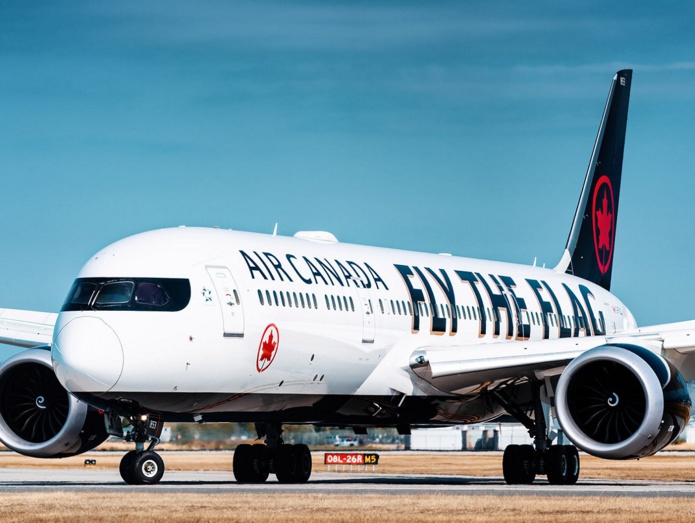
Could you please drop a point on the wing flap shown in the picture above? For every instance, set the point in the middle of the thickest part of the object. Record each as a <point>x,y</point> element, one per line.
<point>463,369</point>
<point>26,328</point>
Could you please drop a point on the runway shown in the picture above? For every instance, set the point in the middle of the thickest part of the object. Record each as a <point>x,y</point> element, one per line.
<point>109,481</point>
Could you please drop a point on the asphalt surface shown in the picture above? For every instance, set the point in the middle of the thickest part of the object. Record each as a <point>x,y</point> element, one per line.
<point>109,481</point>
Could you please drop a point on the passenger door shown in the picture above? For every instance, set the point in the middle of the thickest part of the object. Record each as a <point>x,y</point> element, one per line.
<point>229,301</point>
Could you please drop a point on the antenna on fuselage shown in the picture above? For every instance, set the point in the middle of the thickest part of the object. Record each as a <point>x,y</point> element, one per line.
<point>275,230</point>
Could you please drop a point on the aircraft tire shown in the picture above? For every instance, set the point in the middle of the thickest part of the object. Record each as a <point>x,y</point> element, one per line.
<point>126,468</point>
<point>259,464</point>
<point>302,471</point>
<point>562,465</point>
<point>519,464</point>
<point>285,464</point>
<point>242,463</point>
<point>147,468</point>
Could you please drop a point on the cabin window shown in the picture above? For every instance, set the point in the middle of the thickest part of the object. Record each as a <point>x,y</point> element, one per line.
<point>313,297</point>
<point>328,304</point>
<point>398,307</point>
<point>236,297</point>
<point>345,302</point>
<point>296,302</point>
<point>275,298</point>
<point>410,309</point>
<point>352,304</point>
<point>340,304</point>
<point>260,296</point>
<point>267,295</point>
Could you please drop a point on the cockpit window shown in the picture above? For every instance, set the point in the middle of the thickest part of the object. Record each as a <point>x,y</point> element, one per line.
<point>132,294</point>
<point>115,293</point>
<point>82,292</point>
<point>152,294</point>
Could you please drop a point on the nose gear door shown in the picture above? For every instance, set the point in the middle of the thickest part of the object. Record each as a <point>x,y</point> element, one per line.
<point>229,301</point>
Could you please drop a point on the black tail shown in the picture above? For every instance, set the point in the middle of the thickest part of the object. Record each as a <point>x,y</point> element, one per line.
<point>589,250</point>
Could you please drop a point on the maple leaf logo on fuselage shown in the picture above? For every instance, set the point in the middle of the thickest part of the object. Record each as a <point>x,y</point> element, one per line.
<point>268,348</point>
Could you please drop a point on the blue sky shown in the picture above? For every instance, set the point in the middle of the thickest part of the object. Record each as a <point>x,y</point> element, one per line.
<point>460,127</point>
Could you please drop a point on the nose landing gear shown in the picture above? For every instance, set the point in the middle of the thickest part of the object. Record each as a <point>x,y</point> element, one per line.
<point>143,466</point>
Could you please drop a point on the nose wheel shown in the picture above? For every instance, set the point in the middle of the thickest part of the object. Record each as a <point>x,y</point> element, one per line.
<point>143,466</point>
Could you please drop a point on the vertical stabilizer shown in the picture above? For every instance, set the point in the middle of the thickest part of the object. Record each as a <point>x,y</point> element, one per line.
<point>589,250</point>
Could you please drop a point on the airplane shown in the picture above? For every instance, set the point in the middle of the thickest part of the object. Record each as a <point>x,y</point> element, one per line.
<point>211,325</point>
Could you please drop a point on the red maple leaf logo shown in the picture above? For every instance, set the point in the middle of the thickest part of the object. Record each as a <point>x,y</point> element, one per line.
<point>604,223</point>
<point>268,348</point>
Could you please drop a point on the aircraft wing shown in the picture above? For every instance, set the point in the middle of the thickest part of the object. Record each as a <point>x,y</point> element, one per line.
<point>459,369</point>
<point>26,328</point>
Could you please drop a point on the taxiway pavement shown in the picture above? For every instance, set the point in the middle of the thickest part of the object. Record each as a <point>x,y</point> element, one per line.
<point>109,481</point>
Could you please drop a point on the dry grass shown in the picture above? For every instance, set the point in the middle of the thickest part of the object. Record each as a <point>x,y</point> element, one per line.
<point>314,508</point>
<point>672,467</point>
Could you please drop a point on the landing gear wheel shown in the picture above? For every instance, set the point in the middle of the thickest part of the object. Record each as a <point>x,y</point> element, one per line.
<point>242,463</point>
<point>562,465</point>
<point>147,468</point>
<point>303,470</point>
<point>285,464</point>
<point>260,464</point>
<point>293,464</point>
<point>519,464</point>
<point>126,467</point>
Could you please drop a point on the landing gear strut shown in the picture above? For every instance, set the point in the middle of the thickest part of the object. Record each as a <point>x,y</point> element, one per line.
<point>143,466</point>
<point>521,463</point>
<point>289,463</point>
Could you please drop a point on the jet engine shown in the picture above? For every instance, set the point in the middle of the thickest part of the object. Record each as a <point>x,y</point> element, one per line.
<point>38,417</point>
<point>621,401</point>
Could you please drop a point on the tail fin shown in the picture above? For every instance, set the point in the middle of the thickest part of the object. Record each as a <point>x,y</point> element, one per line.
<point>589,250</point>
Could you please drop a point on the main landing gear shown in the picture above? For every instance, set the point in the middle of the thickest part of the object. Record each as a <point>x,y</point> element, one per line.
<point>521,463</point>
<point>289,463</point>
<point>143,466</point>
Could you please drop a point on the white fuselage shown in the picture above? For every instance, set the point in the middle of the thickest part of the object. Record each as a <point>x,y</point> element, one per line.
<point>344,320</point>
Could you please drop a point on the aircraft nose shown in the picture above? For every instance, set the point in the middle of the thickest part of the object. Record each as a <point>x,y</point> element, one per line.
<point>87,356</point>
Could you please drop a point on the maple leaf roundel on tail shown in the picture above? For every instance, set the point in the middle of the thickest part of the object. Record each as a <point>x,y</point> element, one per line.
<point>268,348</point>
<point>603,215</point>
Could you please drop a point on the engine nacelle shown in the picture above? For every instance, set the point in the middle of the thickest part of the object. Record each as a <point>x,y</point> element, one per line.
<point>38,417</point>
<point>621,402</point>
